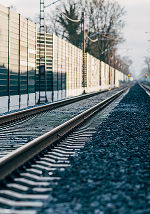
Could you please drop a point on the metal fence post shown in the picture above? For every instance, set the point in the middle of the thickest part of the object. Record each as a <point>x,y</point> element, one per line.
<point>27,63</point>
<point>114,70</point>
<point>83,40</point>
<point>8,58</point>
<point>19,64</point>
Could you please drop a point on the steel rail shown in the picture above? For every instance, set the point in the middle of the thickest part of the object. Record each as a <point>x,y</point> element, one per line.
<point>145,87</point>
<point>39,109</point>
<point>16,159</point>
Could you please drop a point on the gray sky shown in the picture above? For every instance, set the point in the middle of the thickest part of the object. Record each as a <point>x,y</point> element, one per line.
<point>137,23</point>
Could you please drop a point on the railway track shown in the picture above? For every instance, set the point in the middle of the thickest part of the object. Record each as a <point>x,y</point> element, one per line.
<point>23,114</point>
<point>146,88</point>
<point>35,165</point>
<point>15,134</point>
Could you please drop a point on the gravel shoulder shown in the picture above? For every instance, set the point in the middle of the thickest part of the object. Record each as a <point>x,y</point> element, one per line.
<point>112,173</point>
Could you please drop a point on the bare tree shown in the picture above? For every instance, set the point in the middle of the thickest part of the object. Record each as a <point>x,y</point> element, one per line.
<point>64,27</point>
<point>104,20</point>
<point>123,64</point>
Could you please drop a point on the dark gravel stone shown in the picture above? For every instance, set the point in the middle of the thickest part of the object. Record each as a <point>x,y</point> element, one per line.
<point>112,173</point>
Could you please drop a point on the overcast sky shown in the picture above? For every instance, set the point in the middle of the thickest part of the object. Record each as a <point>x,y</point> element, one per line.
<point>137,23</point>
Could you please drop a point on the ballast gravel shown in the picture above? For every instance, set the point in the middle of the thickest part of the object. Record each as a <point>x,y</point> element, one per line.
<point>112,173</point>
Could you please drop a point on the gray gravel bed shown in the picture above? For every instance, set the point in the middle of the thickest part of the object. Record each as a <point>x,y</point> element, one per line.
<point>12,137</point>
<point>112,173</point>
